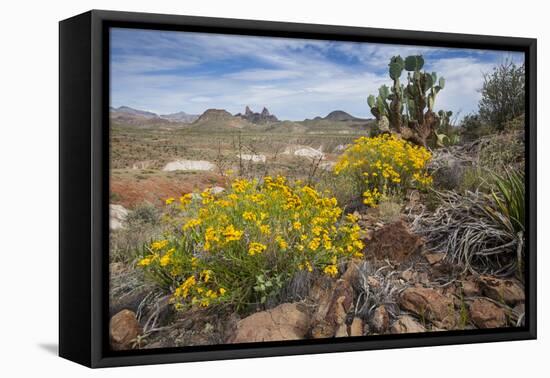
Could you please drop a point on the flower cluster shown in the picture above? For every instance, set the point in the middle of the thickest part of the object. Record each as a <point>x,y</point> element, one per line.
<point>384,165</point>
<point>255,228</point>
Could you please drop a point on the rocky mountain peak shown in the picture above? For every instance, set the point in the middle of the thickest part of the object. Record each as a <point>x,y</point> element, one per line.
<point>257,118</point>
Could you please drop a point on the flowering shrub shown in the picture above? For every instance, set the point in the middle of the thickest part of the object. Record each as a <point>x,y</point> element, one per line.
<point>385,165</point>
<point>240,246</point>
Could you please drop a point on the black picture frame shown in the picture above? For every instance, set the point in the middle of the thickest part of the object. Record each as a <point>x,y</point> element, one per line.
<point>84,187</point>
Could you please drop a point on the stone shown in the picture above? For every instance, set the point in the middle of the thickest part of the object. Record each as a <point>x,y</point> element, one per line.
<point>380,319</point>
<point>341,331</point>
<point>470,288</point>
<point>434,258</point>
<point>352,272</point>
<point>406,324</point>
<point>508,291</point>
<point>486,314</point>
<point>407,275</point>
<point>117,216</point>
<point>217,190</point>
<point>395,242</point>
<point>332,313</point>
<point>287,321</point>
<point>429,304</point>
<point>372,281</point>
<point>357,327</point>
<point>124,329</point>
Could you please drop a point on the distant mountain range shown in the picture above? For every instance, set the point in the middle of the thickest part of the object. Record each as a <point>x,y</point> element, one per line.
<point>339,116</point>
<point>136,116</point>
<point>180,117</point>
<point>220,120</point>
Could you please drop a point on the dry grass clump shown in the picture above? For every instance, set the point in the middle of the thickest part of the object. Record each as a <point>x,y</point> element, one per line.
<point>473,233</point>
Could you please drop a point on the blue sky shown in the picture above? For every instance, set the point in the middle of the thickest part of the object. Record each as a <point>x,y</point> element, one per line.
<point>166,72</point>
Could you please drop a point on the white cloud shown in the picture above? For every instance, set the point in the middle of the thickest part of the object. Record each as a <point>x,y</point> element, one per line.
<point>169,71</point>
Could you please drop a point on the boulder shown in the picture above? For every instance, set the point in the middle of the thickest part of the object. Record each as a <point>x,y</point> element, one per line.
<point>380,319</point>
<point>395,242</point>
<point>406,324</point>
<point>117,216</point>
<point>486,314</point>
<point>507,291</point>
<point>287,321</point>
<point>429,304</point>
<point>124,329</point>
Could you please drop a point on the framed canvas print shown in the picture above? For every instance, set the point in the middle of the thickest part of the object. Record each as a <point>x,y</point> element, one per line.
<point>234,188</point>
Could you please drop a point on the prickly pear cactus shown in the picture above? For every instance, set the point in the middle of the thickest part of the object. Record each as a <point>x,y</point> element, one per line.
<point>409,108</point>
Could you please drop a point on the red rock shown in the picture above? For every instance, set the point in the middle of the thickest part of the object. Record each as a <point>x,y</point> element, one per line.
<point>380,319</point>
<point>470,288</point>
<point>124,329</point>
<point>486,314</point>
<point>508,291</point>
<point>406,324</point>
<point>429,304</point>
<point>284,322</point>
<point>357,327</point>
<point>434,258</point>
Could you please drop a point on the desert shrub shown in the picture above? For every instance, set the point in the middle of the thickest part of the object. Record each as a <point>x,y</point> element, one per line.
<point>344,188</point>
<point>503,94</point>
<point>242,246</point>
<point>473,128</point>
<point>384,165</point>
<point>145,213</point>
<point>389,209</point>
<point>450,175</point>
<point>142,224</point>
<point>502,152</point>
<point>473,179</point>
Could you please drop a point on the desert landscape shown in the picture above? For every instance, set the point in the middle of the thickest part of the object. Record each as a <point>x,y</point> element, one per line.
<point>237,227</point>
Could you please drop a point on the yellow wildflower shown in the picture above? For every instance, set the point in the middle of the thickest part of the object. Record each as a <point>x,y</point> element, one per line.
<point>158,245</point>
<point>165,260</point>
<point>192,223</point>
<point>331,270</point>
<point>231,233</point>
<point>255,248</point>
